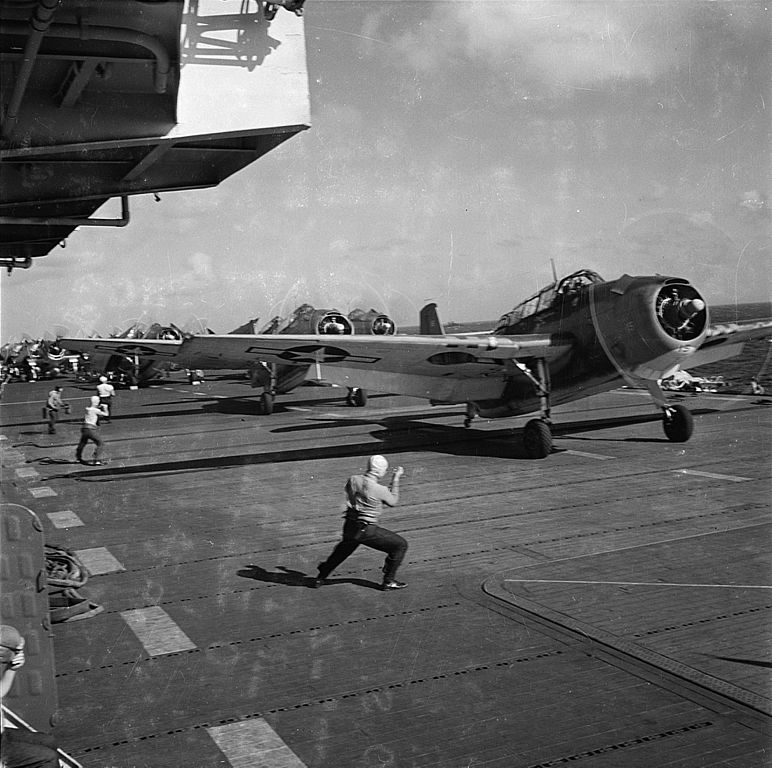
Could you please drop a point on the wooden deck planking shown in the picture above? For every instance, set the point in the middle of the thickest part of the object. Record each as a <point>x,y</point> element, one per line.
<point>315,676</point>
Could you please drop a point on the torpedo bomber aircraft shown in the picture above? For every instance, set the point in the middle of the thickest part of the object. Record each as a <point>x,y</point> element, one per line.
<point>577,337</point>
<point>276,378</point>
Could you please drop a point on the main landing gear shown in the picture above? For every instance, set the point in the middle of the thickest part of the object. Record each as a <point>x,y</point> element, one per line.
<point>537,433</point>
<point>266,403</point>
<point>677,420</point>
<point>537,438</point>
<point>357,397</point>
<point>264,375</point>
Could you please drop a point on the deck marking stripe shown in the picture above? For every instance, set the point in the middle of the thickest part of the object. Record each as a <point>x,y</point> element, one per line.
<point>42,492</point>
<point>156,631</point>
<point>254,744</point>
<point>64,519</point>
<point>589,455</point>
<point>640,584</point>
<point>27,472</point>
<point>712,475</point>
<point>99,561</point>
<point>296,408</point>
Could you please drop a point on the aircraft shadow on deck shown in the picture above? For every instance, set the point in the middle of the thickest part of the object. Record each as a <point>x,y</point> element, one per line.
<point>398,433</point>
<point>292,578</point>
<point>249,405</point>
<point>749,662</point>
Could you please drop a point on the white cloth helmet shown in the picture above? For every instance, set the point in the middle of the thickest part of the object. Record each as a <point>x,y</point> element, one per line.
<point>378,465</point>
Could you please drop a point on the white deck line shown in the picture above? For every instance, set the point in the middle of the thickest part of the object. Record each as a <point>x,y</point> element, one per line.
<point>66,518</point>
<point>712,475</point>
<point>254,744</point>
<point>156,630</point>
<point>99,561</point>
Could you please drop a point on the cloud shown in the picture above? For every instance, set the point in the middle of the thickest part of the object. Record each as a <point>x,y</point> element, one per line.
<point>559,44</point>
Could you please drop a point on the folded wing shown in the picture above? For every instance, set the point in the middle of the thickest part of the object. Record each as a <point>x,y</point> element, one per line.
<point>725,340</point>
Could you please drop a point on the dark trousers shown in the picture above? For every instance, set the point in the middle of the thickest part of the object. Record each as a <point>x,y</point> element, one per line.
<point>26,749</point>
<point>53,415</point>
<point>108,403</point>
<point>372,536</point>
<point>89,434</point>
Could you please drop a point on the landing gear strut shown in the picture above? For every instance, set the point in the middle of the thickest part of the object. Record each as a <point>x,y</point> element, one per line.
<point>264,375</point>
<point>537,433</point>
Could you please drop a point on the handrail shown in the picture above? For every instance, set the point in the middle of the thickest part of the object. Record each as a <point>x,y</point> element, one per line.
<point>71,221</point>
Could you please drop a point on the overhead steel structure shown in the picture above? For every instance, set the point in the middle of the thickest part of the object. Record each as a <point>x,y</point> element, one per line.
<point>113,98</point>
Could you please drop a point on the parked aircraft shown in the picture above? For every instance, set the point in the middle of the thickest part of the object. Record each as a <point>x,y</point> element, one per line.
<point>279,378</point>
<point>34,359</point>
<point>139,364</point>
<point>130,366</point>
<point>578,336</point>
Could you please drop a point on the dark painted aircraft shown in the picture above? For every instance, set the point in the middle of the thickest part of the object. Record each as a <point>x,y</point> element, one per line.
<point>35,359</point>
<point>578,336</point>
<point>278,378</point>
<point>138,364</point>
<point>129,366</point>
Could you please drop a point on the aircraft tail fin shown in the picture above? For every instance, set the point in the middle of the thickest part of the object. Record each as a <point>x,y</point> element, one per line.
<point>249,328</point>
<point>430,324</point>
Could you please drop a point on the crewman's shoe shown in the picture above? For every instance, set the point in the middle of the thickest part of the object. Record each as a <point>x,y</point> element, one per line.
<point>321,576</point>
<point>96,463</point>
<point>389,585</point>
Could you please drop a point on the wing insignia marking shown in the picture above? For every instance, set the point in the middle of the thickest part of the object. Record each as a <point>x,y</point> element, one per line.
<point>313,353</point>
<point>135,349</point>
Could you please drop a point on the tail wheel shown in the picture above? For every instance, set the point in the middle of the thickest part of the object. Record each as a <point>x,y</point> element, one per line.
<point>266,403</point>
<point>537,439</point>
<point>678,423</point>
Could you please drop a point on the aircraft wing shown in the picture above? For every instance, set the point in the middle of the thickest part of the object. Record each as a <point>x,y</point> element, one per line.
<point>725,340</point>
<point>449,368</point>
<point>144,348</point>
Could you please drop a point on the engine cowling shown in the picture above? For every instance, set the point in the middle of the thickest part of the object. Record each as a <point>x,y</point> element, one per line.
<point>166,332</point>
<point>318,322</point>
<point>648,326</point>
<point>372,323</point>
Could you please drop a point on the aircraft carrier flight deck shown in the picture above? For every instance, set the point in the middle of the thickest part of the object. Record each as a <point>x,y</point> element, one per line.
<point>606,606</point>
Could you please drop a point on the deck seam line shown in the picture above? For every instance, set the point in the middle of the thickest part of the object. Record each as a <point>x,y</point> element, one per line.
<point>343,695</point>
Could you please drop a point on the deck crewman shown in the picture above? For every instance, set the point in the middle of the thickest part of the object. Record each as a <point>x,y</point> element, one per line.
<point>89,432</point>
<point>106,392</point>
<point>365,498</point>
<point>21,748</point>
<point>54,404</point>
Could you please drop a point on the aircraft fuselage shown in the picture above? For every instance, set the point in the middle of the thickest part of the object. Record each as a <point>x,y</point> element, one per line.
<point>632,328</point>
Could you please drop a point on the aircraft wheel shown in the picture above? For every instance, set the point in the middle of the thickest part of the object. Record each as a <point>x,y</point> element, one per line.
<point>266,403</point>
<point>359,397</point>
<point>537,439</point>
<point>678,423</point>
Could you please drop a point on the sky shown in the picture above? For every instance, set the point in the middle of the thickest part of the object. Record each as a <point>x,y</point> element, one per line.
<point>455,149</point>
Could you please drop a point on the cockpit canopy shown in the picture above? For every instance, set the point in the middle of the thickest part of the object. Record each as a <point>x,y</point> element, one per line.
<point>548,297</point>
